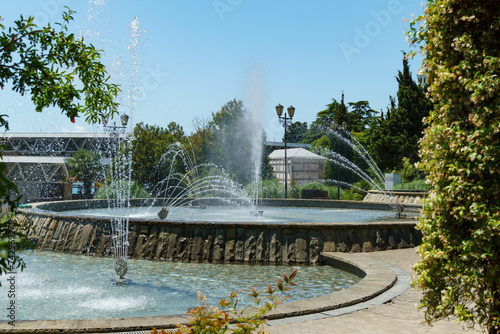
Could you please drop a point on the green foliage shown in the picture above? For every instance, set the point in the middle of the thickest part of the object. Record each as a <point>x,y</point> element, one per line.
<point>85,166</point>
<point>7,187</point>
<point>396,134</point>
<point>150,143</point>
<point>120,187</point>
<point>350,194</point>
<point>227,318</point>
<point>266,170</point>
<point>295,132</point>
<point>413,185</point>
<point>230,133</point>
<point>409,172</point>
<point>332,190</point>
<point>334,112</point>
<point>57,68</point>
<point>460,263</point>
<point>358,118</point>
<point>271,188</point>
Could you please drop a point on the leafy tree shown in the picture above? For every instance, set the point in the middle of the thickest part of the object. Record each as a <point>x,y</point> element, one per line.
<point>295,132</point>
<point>360,117</point>
<point>396,135</point>
<point>200,139</point>
<point>150,143</point>
<point>460,263</point>
<point>57,69</point>
<point>384,144</point>
<point>335,112</point>
<point>266,171</point>
<point>85,166</point>
<point>230,142</point>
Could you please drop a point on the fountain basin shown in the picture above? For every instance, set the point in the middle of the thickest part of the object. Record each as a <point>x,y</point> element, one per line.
<point>84,287</point>
<point>377,279</point>
<point>229,241</point>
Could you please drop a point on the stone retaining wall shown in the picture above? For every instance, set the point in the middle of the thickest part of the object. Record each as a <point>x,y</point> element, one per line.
<point>281,243</point>
<point>403,197</point>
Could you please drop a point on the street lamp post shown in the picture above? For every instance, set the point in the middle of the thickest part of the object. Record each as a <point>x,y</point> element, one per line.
<point>114,131</point>
<point>283,119</point>
<point>343,128</point>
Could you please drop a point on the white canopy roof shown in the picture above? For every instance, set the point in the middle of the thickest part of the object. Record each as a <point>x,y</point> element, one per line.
<point>298,153</point>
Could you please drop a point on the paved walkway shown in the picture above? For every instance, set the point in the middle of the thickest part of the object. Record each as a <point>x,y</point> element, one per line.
<point>399,315</point>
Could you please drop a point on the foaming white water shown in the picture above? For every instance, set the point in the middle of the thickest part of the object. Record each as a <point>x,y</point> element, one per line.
<point>115,303</point>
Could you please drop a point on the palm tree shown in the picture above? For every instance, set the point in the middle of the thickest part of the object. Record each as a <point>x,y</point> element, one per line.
<point>85,166</point>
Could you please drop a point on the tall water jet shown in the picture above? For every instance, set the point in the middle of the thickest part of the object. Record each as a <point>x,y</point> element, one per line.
<point>121,171</point>
<point>125,73</point>
<point>255,134</point>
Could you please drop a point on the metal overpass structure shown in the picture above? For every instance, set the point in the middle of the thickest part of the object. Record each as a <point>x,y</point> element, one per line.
<point>36,161</point>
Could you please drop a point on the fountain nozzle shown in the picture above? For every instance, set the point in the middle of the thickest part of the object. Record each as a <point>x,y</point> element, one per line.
<point>400,211</point>
<point>121,267</point>
<point>163,213</point>
<point>257,213</point>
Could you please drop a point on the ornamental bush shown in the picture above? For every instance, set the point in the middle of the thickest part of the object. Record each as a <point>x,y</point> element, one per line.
<point>228,318</point>
<point>460,263</point>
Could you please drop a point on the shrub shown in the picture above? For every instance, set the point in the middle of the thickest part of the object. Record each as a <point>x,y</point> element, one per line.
<point>136,190</point>
<point>350,194</point>
<point>228,318</point>
<point>409,171</point>
<point>332,190</point>
<point>270,189</point>
<point>413,185</point>
<point>460,266</point>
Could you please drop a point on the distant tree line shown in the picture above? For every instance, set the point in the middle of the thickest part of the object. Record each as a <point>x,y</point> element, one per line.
<point>224,139</point>
<point>391,137</point>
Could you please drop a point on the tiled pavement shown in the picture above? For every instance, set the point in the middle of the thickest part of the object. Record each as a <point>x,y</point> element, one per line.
<point>398,315</point>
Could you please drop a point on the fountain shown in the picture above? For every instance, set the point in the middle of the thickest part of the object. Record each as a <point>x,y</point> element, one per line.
<point>184,184</point>
<point>345,137</point>
<point>270,241</point>
<point>256,135</point>
<point>79,286</point>
<point>119,175</point>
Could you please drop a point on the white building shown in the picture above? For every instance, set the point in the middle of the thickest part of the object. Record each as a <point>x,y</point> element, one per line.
<point>303,166</point>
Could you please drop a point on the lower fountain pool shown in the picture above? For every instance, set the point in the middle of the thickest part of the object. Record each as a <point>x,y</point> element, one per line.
<point>64,286</point>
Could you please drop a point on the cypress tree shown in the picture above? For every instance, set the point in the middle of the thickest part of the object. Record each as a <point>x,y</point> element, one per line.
<point>396,135</point>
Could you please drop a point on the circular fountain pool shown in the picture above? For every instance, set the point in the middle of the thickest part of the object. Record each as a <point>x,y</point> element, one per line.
<point>63,286</point>
<point>243,214</point>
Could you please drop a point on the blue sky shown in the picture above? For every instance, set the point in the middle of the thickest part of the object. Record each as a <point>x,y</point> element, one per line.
<point>193,56</point>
